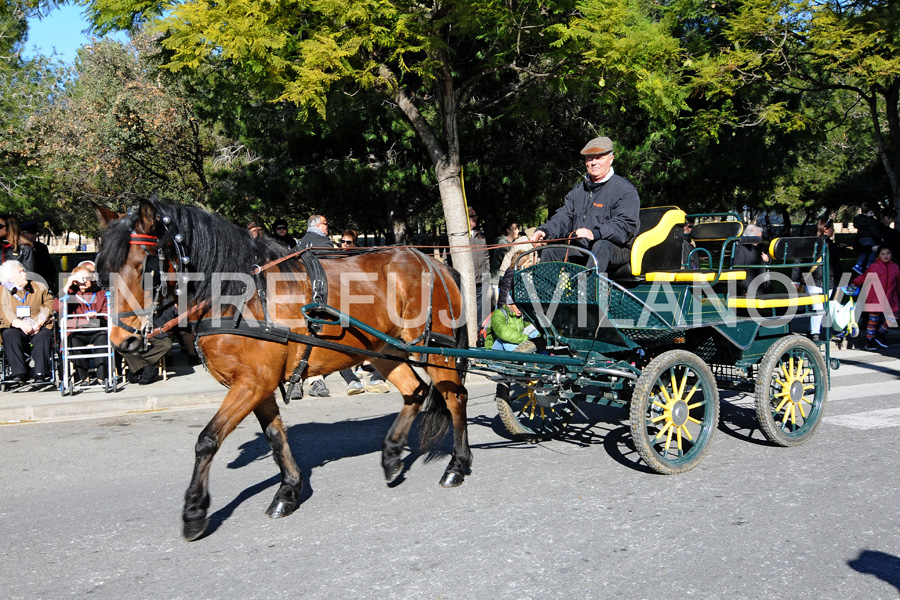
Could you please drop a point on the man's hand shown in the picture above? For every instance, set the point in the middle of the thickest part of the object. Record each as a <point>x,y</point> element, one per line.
<point>584,232</point>
<point>537,236</point>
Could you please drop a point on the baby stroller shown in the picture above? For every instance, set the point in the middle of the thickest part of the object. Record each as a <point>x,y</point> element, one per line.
<point>842,314</point>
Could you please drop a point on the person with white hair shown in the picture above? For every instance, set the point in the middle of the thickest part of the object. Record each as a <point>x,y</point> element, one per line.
<point>26,317</point>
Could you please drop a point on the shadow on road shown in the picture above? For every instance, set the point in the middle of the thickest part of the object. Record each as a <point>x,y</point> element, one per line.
<point>880,564</point>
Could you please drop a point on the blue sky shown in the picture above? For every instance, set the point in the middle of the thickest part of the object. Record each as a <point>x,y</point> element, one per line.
<point>62,30</point>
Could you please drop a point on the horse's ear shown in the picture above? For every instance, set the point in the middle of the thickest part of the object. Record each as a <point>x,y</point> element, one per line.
<point>105,215</point>
<point>146,221</point>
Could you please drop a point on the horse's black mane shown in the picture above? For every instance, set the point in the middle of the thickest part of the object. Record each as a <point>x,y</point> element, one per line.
<point>213,244</point>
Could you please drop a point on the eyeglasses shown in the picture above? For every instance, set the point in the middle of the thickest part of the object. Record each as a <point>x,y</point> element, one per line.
<point>281,227</point>
<point>346,241</point>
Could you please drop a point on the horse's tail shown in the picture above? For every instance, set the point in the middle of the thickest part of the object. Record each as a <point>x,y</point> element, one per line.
<point>436,420</point>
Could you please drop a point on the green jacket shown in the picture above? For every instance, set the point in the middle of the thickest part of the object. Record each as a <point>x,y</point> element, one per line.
<point>505,326</point>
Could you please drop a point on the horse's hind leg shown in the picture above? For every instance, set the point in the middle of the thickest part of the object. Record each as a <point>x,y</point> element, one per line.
<point>413,391</point>
<point>288,495</point>
<point>449,388</point>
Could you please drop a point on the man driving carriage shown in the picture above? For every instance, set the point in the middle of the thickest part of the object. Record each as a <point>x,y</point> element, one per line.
<point>600,212</point>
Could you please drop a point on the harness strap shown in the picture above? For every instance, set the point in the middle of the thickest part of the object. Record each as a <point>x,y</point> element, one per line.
<point>283,335</point>
<point>319,293</point>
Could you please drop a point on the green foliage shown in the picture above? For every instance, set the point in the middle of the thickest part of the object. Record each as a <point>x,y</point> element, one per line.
<point>27,88</point>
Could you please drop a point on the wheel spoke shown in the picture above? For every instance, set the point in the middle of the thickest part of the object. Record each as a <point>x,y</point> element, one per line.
<point>669,439</point>
<point>692,392</point>
<point>783,402</point>
<point>662,431</point>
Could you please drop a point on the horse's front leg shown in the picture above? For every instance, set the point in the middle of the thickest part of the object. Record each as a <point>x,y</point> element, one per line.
<point>234,409</point>
<point>288,495</point>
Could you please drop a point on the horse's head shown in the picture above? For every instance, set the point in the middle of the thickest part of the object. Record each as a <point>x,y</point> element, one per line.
<point>131,261</point>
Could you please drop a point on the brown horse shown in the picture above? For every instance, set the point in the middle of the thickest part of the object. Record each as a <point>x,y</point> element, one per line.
<point>249,318</point>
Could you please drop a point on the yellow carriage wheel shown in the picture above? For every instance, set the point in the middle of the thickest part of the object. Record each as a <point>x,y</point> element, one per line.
<point>791,390</point>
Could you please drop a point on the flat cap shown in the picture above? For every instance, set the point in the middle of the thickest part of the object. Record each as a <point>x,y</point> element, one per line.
<point>598,145</point>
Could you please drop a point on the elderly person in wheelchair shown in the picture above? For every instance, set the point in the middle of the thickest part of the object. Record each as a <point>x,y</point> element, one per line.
<point>26,317</point>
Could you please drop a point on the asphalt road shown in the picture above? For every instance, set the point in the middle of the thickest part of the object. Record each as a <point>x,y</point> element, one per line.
<point>92,508</point>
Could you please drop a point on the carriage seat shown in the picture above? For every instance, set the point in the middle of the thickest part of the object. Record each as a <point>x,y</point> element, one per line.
<point>785,252</point>
<point>658,243</point>
<point>711,237</point>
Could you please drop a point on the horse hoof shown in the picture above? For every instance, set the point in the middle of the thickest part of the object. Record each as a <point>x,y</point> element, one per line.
<point>280,508</point>
<point>194,529</point>
<point>451,479</point>
<point>392,470</point>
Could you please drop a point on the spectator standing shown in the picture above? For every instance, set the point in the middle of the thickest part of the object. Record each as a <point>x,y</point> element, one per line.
<point>26,316</point>
<point>882,316</point>
<point>43,262</point>
<point>509,232</point>
<point>13,245</point>
<point>281,235</point>
<point>867,238</point>
<point>482,267</point>
<point>316,234</point>
<point>256,230</point>
<point>890,237</point>
<point>377,384</point>
<point>317,237</point>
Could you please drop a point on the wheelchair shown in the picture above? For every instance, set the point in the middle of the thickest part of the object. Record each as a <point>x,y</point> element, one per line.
<point>6,381</point>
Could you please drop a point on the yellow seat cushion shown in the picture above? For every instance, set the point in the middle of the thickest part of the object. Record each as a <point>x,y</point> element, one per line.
<point>763,302</point>
<point>688,276</point>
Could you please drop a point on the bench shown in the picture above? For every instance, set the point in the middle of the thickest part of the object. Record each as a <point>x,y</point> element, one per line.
<point>786,253</point>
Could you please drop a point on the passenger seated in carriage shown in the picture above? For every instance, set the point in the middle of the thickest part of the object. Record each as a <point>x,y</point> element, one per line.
<point>86,300</point>
<point>601,212</point>
<point>26,316</point>
<point>751,254</point>
<point>508,327</point>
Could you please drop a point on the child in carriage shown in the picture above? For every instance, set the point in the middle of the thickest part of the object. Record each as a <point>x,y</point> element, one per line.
<point>880,316</point>
<point>86,300</point>
<point>508,327</point>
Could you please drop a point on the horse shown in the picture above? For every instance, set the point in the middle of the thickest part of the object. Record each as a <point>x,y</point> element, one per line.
<point>255,344</point>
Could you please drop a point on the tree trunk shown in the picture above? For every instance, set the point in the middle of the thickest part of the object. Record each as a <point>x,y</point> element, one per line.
<point>446,161</point>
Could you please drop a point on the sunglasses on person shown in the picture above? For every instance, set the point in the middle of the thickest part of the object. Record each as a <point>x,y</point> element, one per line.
<point>281,227</point>
<point>2,225</point>
<point>343,241</point>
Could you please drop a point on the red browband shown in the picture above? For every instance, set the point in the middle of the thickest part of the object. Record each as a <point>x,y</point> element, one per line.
<point>138,239</point>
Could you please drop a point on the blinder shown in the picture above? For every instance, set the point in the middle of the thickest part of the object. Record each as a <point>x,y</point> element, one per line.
<point>152,265</point>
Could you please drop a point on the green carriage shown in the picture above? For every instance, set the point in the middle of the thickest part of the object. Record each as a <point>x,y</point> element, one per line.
<point>664,338</point>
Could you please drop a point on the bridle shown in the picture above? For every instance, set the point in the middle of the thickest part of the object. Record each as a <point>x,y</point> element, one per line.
<point>171,254</point>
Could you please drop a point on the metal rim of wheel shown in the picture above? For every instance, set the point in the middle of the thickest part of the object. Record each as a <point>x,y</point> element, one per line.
<point>674,412</point>
<point>791,391</point>
<point>528,409</point>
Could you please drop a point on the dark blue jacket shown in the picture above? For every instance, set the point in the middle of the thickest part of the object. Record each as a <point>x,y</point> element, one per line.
<point>609,209</point>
